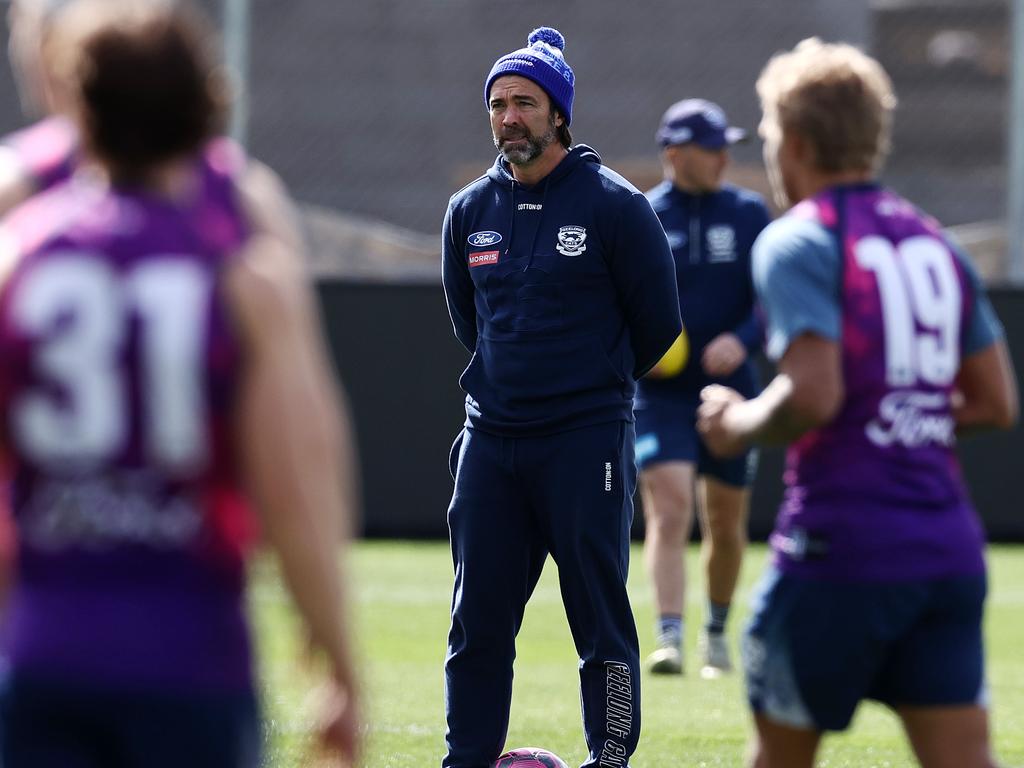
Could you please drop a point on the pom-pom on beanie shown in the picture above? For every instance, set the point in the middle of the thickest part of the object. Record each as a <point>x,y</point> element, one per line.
<point>540,61</point>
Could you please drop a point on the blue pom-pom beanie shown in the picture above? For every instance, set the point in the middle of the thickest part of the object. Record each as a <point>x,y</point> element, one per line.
<point>542,62</point>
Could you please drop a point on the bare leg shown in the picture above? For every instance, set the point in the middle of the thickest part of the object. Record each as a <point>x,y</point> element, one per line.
<point>779,746</point>
<point>668,512</point>
<point>668,509</point>
<point>723,522</point>
<point>723,519</point>
<point>948,737</point>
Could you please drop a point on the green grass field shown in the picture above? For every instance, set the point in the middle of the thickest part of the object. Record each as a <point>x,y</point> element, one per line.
<point>401,593</point>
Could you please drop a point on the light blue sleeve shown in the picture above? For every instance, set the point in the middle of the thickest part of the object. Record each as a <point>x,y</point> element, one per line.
<point>983,327</point>
<point>796,268</point>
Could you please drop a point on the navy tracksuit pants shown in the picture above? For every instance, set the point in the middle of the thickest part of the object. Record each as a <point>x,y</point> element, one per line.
<point>517,500</point>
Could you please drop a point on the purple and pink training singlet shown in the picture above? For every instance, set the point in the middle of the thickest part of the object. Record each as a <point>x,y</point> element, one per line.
<point>46,151</point>
<point>117,377</point>
<point>877,494</point>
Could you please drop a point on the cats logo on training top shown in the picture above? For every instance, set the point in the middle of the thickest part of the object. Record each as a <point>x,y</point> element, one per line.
<point>572,240</point>
<point>721,243</point>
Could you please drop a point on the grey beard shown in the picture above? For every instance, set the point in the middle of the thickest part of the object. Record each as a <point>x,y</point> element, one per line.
<point>534,148</point>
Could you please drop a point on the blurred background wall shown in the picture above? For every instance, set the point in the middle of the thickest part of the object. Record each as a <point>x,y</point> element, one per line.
<point>377,108</point>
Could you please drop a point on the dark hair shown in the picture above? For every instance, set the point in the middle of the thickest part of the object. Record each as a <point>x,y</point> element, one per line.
<point>146,80</point>
<point>564,135</point>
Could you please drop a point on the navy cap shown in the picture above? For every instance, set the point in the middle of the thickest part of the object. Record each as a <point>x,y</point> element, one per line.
<point>697,121</point>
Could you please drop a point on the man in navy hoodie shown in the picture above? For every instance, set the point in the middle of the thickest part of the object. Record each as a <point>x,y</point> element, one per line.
<point>711,228</point>
<point>560,281</point>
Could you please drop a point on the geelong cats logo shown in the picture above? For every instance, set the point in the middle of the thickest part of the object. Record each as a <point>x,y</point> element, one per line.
<point>572,241</point>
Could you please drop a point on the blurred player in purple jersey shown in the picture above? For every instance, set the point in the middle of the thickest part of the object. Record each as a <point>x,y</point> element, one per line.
<point>887,348</point>
<point>46,153</point>
<point>159,363</point>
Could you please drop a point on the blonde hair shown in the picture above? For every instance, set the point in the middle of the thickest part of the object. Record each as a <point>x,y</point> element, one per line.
<point>835,96</point>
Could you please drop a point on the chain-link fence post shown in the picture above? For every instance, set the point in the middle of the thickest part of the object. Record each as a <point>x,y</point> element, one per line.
<point>236,20</point>
<point>1015,140</point>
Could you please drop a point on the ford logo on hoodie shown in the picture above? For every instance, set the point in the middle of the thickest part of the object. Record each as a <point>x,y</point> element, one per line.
<point>484,238</point>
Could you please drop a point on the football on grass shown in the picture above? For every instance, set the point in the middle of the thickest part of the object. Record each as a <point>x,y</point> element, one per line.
<point>530,757</point>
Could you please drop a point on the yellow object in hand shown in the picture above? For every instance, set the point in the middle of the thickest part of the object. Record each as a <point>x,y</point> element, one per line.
<point>674,360</point>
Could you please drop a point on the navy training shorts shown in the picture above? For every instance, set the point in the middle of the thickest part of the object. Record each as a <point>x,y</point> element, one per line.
<point>814,649</point>
<point>666,430</point>
<point>51,724</point>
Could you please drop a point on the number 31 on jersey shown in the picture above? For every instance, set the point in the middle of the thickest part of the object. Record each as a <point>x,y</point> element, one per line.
<point>79,311</point>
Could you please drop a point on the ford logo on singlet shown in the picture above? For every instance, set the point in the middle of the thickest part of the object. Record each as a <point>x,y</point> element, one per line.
<point>484,238</point>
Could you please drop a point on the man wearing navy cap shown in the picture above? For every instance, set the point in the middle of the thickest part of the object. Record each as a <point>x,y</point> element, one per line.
<point>711,228</point>
<point>560,282</point>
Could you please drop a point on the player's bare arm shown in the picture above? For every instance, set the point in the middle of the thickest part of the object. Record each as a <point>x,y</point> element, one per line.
<point>268,206</point>
<point>987,389</point>
<point>293,441</point>
<point>270,210</point>
<point>806,393</point>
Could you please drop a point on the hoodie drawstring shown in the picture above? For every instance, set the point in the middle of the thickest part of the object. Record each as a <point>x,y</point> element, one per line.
<point>501,174</point>
<point>540,220</point>
<point>511,219</point>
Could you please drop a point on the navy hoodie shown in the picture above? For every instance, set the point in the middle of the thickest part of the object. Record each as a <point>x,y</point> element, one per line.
<point>711,236</point>
<point>565,292</point>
